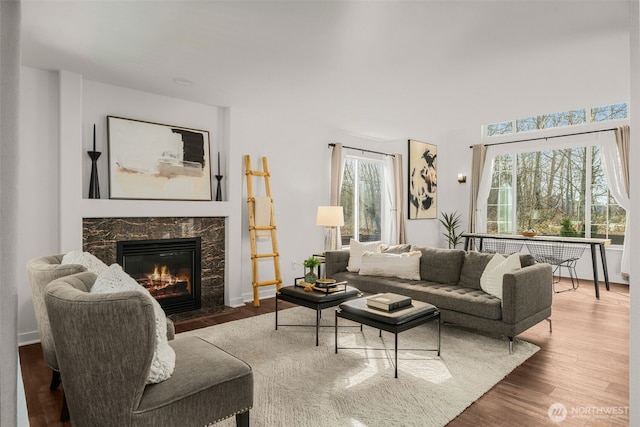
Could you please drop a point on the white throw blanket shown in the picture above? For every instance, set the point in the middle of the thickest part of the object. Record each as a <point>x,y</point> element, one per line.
<point>262,212</point>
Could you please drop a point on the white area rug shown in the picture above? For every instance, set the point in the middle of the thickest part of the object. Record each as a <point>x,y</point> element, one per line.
<point>299,384</point>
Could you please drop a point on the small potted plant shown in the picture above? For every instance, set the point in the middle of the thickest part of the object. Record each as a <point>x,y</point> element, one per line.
<point>311,263</point>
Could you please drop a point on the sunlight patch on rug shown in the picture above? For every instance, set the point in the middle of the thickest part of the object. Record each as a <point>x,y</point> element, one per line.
<point>424,365</point>
<point>299,384</point>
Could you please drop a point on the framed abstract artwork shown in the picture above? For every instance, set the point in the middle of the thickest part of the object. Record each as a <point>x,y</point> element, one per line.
<point>423,178</point>
<point>152,161</point>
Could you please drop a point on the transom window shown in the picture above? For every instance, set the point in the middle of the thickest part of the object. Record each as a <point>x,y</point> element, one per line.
<point>566,118</point>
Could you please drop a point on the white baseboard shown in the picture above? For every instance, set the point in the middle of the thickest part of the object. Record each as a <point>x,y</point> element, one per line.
<point>27,338</point>
<point>248,296</point>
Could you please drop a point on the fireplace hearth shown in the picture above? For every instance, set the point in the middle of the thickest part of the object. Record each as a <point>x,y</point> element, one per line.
<point>170,269</point>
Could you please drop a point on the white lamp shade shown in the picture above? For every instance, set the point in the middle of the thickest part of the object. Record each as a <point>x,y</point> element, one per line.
<point>330,216</point>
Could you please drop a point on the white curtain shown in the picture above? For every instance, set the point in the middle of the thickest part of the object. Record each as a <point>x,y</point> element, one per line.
<point>10,11</point>
<point>389,231</point>
<point>337,167</point>
<point>477,168</point>
<point>401,217</point>
<point>393,223</point>
<point>483,190</point>
<point>613,170</point>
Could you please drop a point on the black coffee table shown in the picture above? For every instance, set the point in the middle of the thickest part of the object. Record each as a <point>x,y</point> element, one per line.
<point>316,300</point>
<point>395,321</point>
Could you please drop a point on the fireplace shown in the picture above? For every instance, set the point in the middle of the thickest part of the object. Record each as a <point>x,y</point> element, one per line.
<point>168,268</point>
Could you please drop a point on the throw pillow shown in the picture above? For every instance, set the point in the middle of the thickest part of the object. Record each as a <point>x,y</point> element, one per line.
<point>403,266</point>
<point>491,279</point>
<point>114,279</point>
<point>85,259</point>
<point>356,249</point>
<point>396,249</point>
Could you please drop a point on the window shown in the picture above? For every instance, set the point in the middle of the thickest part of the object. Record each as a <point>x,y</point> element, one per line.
<point>609,112</point>
<point>500,203</point>
<point>361,199</point>
<point>556,192</point>
<point>555,120</point>
<point>500,128</point>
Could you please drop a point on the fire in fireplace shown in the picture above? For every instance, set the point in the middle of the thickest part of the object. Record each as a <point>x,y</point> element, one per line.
<point>168,268</point>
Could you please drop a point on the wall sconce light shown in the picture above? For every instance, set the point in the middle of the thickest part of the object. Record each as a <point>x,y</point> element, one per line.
<point>462,178</point>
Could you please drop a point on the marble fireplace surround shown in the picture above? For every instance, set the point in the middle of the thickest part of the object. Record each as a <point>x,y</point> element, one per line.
<point>99,236</point>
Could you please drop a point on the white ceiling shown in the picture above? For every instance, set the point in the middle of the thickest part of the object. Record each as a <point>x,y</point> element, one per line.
<point>386,69</point>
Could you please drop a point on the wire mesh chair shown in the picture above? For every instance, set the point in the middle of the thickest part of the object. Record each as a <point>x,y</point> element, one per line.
<point>560,255</point>
<point>497,246</point>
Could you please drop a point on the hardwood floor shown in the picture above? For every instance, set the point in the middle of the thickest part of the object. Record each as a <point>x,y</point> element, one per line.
<point>583,364</point>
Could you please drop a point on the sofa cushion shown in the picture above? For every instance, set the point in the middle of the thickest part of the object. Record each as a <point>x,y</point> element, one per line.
<point>451,297</point>
<point>472,269</point>
<point>208,385</point>
<point>526,260</point>
<point>356,249</point>
<point>403,266</point>
<point>491,279</point>
<point>440,265</point>
<point>475,302</point>
<point>114,279</point>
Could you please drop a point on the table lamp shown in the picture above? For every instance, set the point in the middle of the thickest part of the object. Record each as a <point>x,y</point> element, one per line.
<point>330,217</point>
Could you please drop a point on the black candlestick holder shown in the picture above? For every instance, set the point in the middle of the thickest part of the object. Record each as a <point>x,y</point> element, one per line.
<point>94,185</point>
<point>219,189</point>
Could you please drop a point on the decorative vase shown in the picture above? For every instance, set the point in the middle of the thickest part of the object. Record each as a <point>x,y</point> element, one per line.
<point>94,184</point>
<point>219,189</point>
<point>310,277</point>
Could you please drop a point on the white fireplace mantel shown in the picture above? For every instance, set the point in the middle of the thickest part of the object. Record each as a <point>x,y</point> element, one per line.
<point>106,208</point>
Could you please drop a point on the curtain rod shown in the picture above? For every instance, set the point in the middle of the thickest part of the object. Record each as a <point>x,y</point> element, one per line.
<point>547,137</point>
<point>331,144</point>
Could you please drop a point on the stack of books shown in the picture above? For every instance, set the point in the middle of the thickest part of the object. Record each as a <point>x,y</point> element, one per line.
<point>388,302</point>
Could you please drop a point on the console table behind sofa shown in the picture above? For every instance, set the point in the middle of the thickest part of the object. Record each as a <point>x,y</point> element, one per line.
<point>593,243</point>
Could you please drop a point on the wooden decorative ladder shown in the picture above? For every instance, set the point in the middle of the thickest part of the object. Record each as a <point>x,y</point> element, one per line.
<point>253,229</point>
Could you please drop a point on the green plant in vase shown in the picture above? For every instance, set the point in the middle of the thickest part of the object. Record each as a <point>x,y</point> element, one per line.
<point>311,263</point>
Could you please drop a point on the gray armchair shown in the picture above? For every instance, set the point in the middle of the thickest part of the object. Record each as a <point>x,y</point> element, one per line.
<point>104,345</point>
<point>42,271</point>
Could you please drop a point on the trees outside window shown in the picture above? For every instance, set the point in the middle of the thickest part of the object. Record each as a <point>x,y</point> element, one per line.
<point>566,118</point>
<point>361,199</point>
<point>553,191</point>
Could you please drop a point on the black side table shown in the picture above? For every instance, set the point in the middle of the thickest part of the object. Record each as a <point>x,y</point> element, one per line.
<point>316,300</point>
<point>392,321</point>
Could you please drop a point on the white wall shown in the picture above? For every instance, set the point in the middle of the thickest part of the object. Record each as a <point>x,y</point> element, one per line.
<point>39,169</point>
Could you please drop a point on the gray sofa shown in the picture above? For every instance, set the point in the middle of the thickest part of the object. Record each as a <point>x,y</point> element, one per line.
<point>450,280</point>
